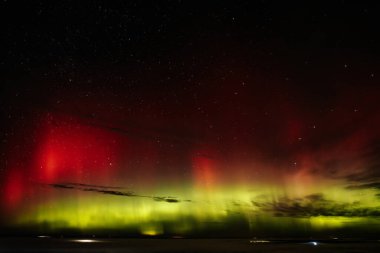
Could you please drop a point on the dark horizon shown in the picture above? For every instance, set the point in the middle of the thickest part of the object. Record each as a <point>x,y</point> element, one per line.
<point>197,120</point>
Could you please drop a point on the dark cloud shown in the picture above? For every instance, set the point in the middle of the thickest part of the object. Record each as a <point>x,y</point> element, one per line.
<point>108,190</point>
<point>166,199</point>
<point>316,205</point>
<point>370,173</point>
<point>365,176</point>
<point>375,185</point>
<point>64,186</point>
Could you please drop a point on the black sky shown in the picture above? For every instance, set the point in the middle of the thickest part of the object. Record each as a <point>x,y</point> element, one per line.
<point>193,68</point>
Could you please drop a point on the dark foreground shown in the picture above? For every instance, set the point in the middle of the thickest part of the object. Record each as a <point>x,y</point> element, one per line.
<point>181,245</point>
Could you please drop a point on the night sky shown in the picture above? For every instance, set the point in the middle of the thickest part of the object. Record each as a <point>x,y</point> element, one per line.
<point>186,118</point>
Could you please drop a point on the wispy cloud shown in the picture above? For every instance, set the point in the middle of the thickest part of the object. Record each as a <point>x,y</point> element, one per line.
<point>375,185</point>
<point>316,205</point>
<point>111,190</point>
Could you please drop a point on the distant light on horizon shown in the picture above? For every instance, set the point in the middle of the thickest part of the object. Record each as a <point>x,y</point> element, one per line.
<point>259,241</point>
<point>85,240</point>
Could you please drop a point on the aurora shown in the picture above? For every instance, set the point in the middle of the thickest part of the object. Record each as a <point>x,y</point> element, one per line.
<point>89,178</point>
